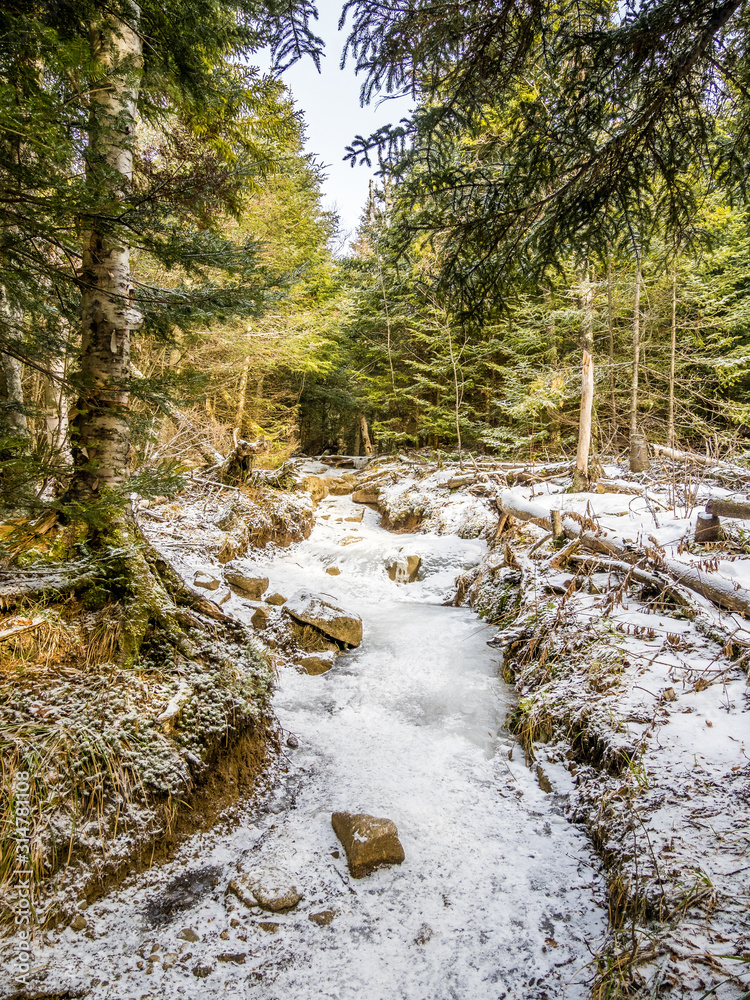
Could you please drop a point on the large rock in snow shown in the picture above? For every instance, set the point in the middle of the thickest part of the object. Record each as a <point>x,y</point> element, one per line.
<point>316,486</point>
<point>242,583</point>
<point>322,612</point>
<point>339,486</point>
<point>269,888</point>
<point>369,841</point>
<point>404,569</point>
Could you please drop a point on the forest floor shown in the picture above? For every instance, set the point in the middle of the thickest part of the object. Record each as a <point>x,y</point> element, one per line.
<point>630,705</point>
<point>632,709</point>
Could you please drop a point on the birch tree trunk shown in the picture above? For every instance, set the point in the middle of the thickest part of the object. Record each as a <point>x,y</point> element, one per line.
<point>101,425</point>
<point>13,422</point>
<point>56,411</point>
<point>581,474</point>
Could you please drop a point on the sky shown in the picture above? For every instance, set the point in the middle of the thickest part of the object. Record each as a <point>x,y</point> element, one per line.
<point>330,102</point>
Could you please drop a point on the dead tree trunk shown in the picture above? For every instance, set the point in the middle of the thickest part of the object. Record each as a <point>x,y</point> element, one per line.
<point>638,444</point>
<point>365,434</point>
<point>581,474</point>
<point>611,331</point>
<point>241,393</point>
<point>672,355</point>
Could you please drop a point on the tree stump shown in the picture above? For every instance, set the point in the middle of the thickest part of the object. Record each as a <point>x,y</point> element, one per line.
<point>708,529</point>
<point>639,460</point>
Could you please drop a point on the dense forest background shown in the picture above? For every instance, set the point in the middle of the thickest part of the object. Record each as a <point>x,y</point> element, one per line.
<point>436,327</point>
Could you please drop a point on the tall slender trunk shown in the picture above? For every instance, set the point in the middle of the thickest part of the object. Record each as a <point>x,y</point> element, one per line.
<point>457,409</point>
<point>13,420</point>
<point>387,329</point>
<point>638,444</point>
<point>611,331</point>
<point>365,435</point>
<point>636,349</point>
<point>241,397</point>
<point>672,355</point>
<point>101,425</point>
<point>56,410</point>
<point>586,301</point>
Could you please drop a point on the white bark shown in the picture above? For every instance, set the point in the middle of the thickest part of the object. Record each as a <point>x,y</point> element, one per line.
<point>14,422</point>
<point>56,410</point>
<point>108,314</point>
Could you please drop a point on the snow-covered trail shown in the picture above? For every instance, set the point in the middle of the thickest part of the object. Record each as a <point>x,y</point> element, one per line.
<point>498,896</point>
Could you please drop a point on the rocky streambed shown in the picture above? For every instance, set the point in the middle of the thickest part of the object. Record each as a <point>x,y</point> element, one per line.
<point>498,894</point>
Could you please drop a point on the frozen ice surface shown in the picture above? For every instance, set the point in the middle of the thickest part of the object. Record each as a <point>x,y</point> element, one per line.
<point>499,896</point>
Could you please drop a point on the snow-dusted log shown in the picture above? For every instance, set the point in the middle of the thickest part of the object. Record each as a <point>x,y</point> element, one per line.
<point>691,457</point>
<point>722,592</point>
<point>729,508</point>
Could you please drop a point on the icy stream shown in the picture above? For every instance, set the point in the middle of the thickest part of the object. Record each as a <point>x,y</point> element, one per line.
<point>498,896</point>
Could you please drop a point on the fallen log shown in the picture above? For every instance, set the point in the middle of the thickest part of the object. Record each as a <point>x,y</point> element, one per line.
<point>619,486</point>
<point>729,508</point>
<point>721,592</point>
<point>636,573</point>
<point>703,460</point>
<point>22,625</point>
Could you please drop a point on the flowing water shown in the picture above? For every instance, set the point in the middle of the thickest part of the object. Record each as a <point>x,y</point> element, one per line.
<point>498,896</point>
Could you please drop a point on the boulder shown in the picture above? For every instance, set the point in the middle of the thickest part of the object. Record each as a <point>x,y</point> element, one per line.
<point>322,612</point>
<point>323,918</point>
<point>317,663</point>
<point>252,587</point>
<point>316,486</point>
<point>260,617</point>
<point>206,581</point>
<point>339,486</point>
<point>404,569</point>
<point>369,841</point>
<point>333,570</point>
<point>227,518</point>
<point>367,494</point>
<point>276,599</point>
<point>269,888</point>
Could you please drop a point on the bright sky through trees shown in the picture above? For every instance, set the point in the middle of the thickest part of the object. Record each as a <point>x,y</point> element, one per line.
<point>330,101</point>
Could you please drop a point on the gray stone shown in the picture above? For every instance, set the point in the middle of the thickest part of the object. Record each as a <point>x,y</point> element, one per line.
<point>369,841</point>
<point>78,923</point>
<point>321,611</point>
<point>227,519</point>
